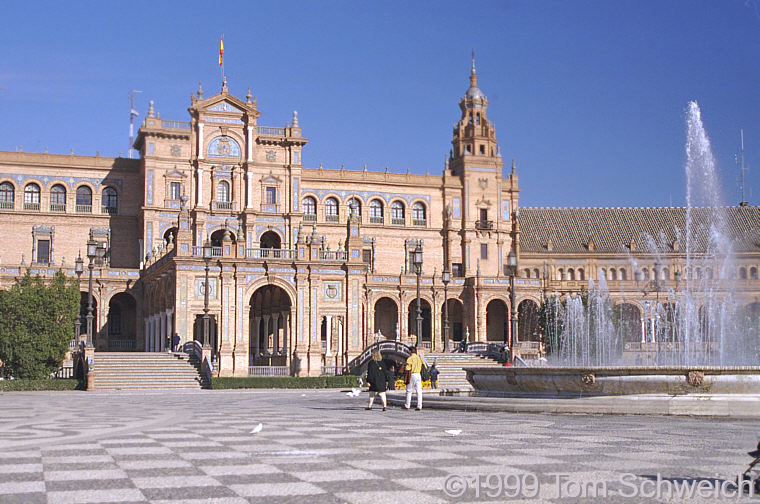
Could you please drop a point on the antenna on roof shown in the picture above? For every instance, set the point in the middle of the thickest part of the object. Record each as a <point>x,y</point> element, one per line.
<point>742,170</point>
<point>132,114</point>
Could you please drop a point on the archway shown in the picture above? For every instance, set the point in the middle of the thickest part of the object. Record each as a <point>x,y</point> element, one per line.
<point>629,322</point>
<point>269,326</point>
<point>412,321</point>
<point>170,236</point>
<point>527,321</point>
<point>386,317</point>
<point>122,323</point>
<point>270,239</point>
<point>497,317</point>
<point>456,325</point>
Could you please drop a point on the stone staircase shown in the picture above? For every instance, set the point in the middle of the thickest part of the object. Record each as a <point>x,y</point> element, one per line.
<point>147,370</point>
<point>451,365</point>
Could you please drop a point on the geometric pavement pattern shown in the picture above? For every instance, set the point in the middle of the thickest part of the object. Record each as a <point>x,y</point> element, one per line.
<point>193,447</point>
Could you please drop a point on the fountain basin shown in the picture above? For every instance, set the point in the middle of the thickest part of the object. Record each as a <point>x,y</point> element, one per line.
<point>615,380</point>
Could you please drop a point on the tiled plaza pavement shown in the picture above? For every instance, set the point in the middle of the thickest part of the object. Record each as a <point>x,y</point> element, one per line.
<point>323,447</point>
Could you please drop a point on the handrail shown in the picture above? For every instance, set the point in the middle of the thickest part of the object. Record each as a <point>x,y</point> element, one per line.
<point>387,346</point>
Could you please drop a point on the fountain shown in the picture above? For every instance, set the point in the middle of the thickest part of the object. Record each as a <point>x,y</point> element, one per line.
<point>695,336</point>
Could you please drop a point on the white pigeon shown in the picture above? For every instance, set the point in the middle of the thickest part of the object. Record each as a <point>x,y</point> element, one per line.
<point>453,432</point>
<point>257,429</point>
<point>354,392</point>
<point>303,395</point>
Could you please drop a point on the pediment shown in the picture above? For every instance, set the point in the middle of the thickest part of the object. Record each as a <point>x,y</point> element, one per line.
<point>224,106</point>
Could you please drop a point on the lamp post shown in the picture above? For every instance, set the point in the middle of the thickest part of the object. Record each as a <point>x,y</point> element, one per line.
<point>79,269</point>
<point>446,278</point>
<point>512,270</point>
<point>206,329</point>
<point>417,260</point>
<point>92,253</point>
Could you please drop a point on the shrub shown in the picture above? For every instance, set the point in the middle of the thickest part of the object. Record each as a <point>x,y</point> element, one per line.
<point>44,384</point>
<point>289,382</point>
<point>38,322</point>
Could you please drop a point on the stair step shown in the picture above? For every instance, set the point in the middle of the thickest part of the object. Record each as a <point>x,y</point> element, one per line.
<point>133,370</point>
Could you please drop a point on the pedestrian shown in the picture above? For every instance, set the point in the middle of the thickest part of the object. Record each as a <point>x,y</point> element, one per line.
<point>377,379</point>
<point>175,343</point>
<point>413,369</point>
<point>434,376</point>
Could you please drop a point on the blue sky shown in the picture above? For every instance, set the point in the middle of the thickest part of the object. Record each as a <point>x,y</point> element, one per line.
<point>589,97</point>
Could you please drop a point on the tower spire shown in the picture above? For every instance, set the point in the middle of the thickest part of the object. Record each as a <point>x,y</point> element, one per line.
<point>473,75</point>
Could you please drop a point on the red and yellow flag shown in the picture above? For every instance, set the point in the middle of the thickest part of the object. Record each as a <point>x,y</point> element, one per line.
<point>221,49</point>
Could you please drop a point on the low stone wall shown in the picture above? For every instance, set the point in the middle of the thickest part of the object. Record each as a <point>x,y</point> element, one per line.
<point>575,381</point>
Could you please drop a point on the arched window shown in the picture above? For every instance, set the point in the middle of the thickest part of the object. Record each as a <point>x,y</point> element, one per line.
<point>331,210</point>
<point>613,274</point>
<point>709,273</point>
<point>743,273</point>
<point>560,274</point>
<point>354,204</point>
<point>526,273</point>
<point>84,199</point>
<point>58,198</point>
<point>418,215</point>
<point>623,274</point>
<point>645,273</point>
<point>376,211</point>
<point>753,273</point>
<point>7,196</point>
<point>309,209</point>
<point>699,273</point>
<point>665,274</point>
<point>581,274</point>
<point>397,213</point>
<point>32,197</point>
<point>110,201</point>
<point>535,273</point>
<point>570,274</point>
<point>223,192</point>
<point>603,273</point>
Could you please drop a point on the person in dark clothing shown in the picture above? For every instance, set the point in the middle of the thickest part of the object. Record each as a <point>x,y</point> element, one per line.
<point>175,343</point>
<point>377,378</point>
<point>434,376</point>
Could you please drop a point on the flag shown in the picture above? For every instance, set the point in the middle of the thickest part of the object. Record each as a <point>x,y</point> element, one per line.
<point>221,49</point>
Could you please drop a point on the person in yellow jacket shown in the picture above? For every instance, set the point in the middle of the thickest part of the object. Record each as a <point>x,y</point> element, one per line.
<point>413,370</point>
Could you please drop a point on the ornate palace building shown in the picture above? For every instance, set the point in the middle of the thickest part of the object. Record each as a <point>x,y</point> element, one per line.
<point>308,265</point>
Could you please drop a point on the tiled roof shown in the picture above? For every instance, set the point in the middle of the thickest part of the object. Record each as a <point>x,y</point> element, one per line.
<point>613,229</point>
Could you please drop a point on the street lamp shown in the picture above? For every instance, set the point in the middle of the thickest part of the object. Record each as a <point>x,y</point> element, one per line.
<point>446,278</point>
<point>512,270</point>
<point>207,258</point>
<point>417,260</point>
<point>92,253</point>
<point>78,269</point>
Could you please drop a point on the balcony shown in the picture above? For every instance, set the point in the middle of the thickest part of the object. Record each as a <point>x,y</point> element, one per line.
<point>484,225</point>
<point>108,210</point>
<point>6,205</point>
<point>270,208</point>
<point>224,205</point>
<point>270,253</point>
<point>376,220</point>
<point>396,221</point>
<point>310,217</point>
<point>215,251</point>
<point>55,207</point>
<point>35,207</point>
<point>333,255</point>
<point>331,218</point>
<point>419,222</point>
<point>84,208</point>
<point>270,131</point>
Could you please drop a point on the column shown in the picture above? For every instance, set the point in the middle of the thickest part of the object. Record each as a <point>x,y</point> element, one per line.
<point>250,143</point>
<point>145,335</point>
<point>285,332</point>
<point>256,336</point>
<point>328,336</point>
<point>339,323</point>
<point>275,334</point>
<point>200,140</point>
<point>266,334</point>
<point>249,193</point>
<point>199,197</point>
<point>161,331</point>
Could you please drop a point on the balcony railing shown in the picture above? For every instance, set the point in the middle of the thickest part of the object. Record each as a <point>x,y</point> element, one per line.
<point>397,221</point>
<point>225,205</point>
<point>121,344</point>
<point>35,207</point>
<point>55,207</point>
<point>175,124</point>
<point>268,370</point>
<point>376,220</point>
<point>270,253</point>
<point>268,130</point>
<point>484,224</point>
<point>331,218</point>
<point>268,207</point>
<point>419,222</point>
<point>310,217</point>
<point>108,210</point>
<point>215,251</point>
<point>6,205</point>
<point>84,208</point>
<point>333,255</point>
<point>333,370</point>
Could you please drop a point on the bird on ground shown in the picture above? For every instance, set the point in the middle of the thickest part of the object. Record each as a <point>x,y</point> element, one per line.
<point>257,429</point>
<point>453,432</point>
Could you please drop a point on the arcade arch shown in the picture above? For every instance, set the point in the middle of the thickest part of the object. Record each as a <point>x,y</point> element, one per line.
<point>269,326</point>
<point>386,317</point>
<point>527,321</point>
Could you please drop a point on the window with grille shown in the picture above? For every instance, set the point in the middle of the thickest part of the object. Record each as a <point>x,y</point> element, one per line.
<point>175,190</point>
<point>271,195</point>
<point>309,208</point>
<point>7,194</point>
<point>110,201</point>
<point>484,251</point>
<point>43,251</point>
<point>331,209</point>
<point>418,214</point>
<point>223,191</point>
<point>397,213</point>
